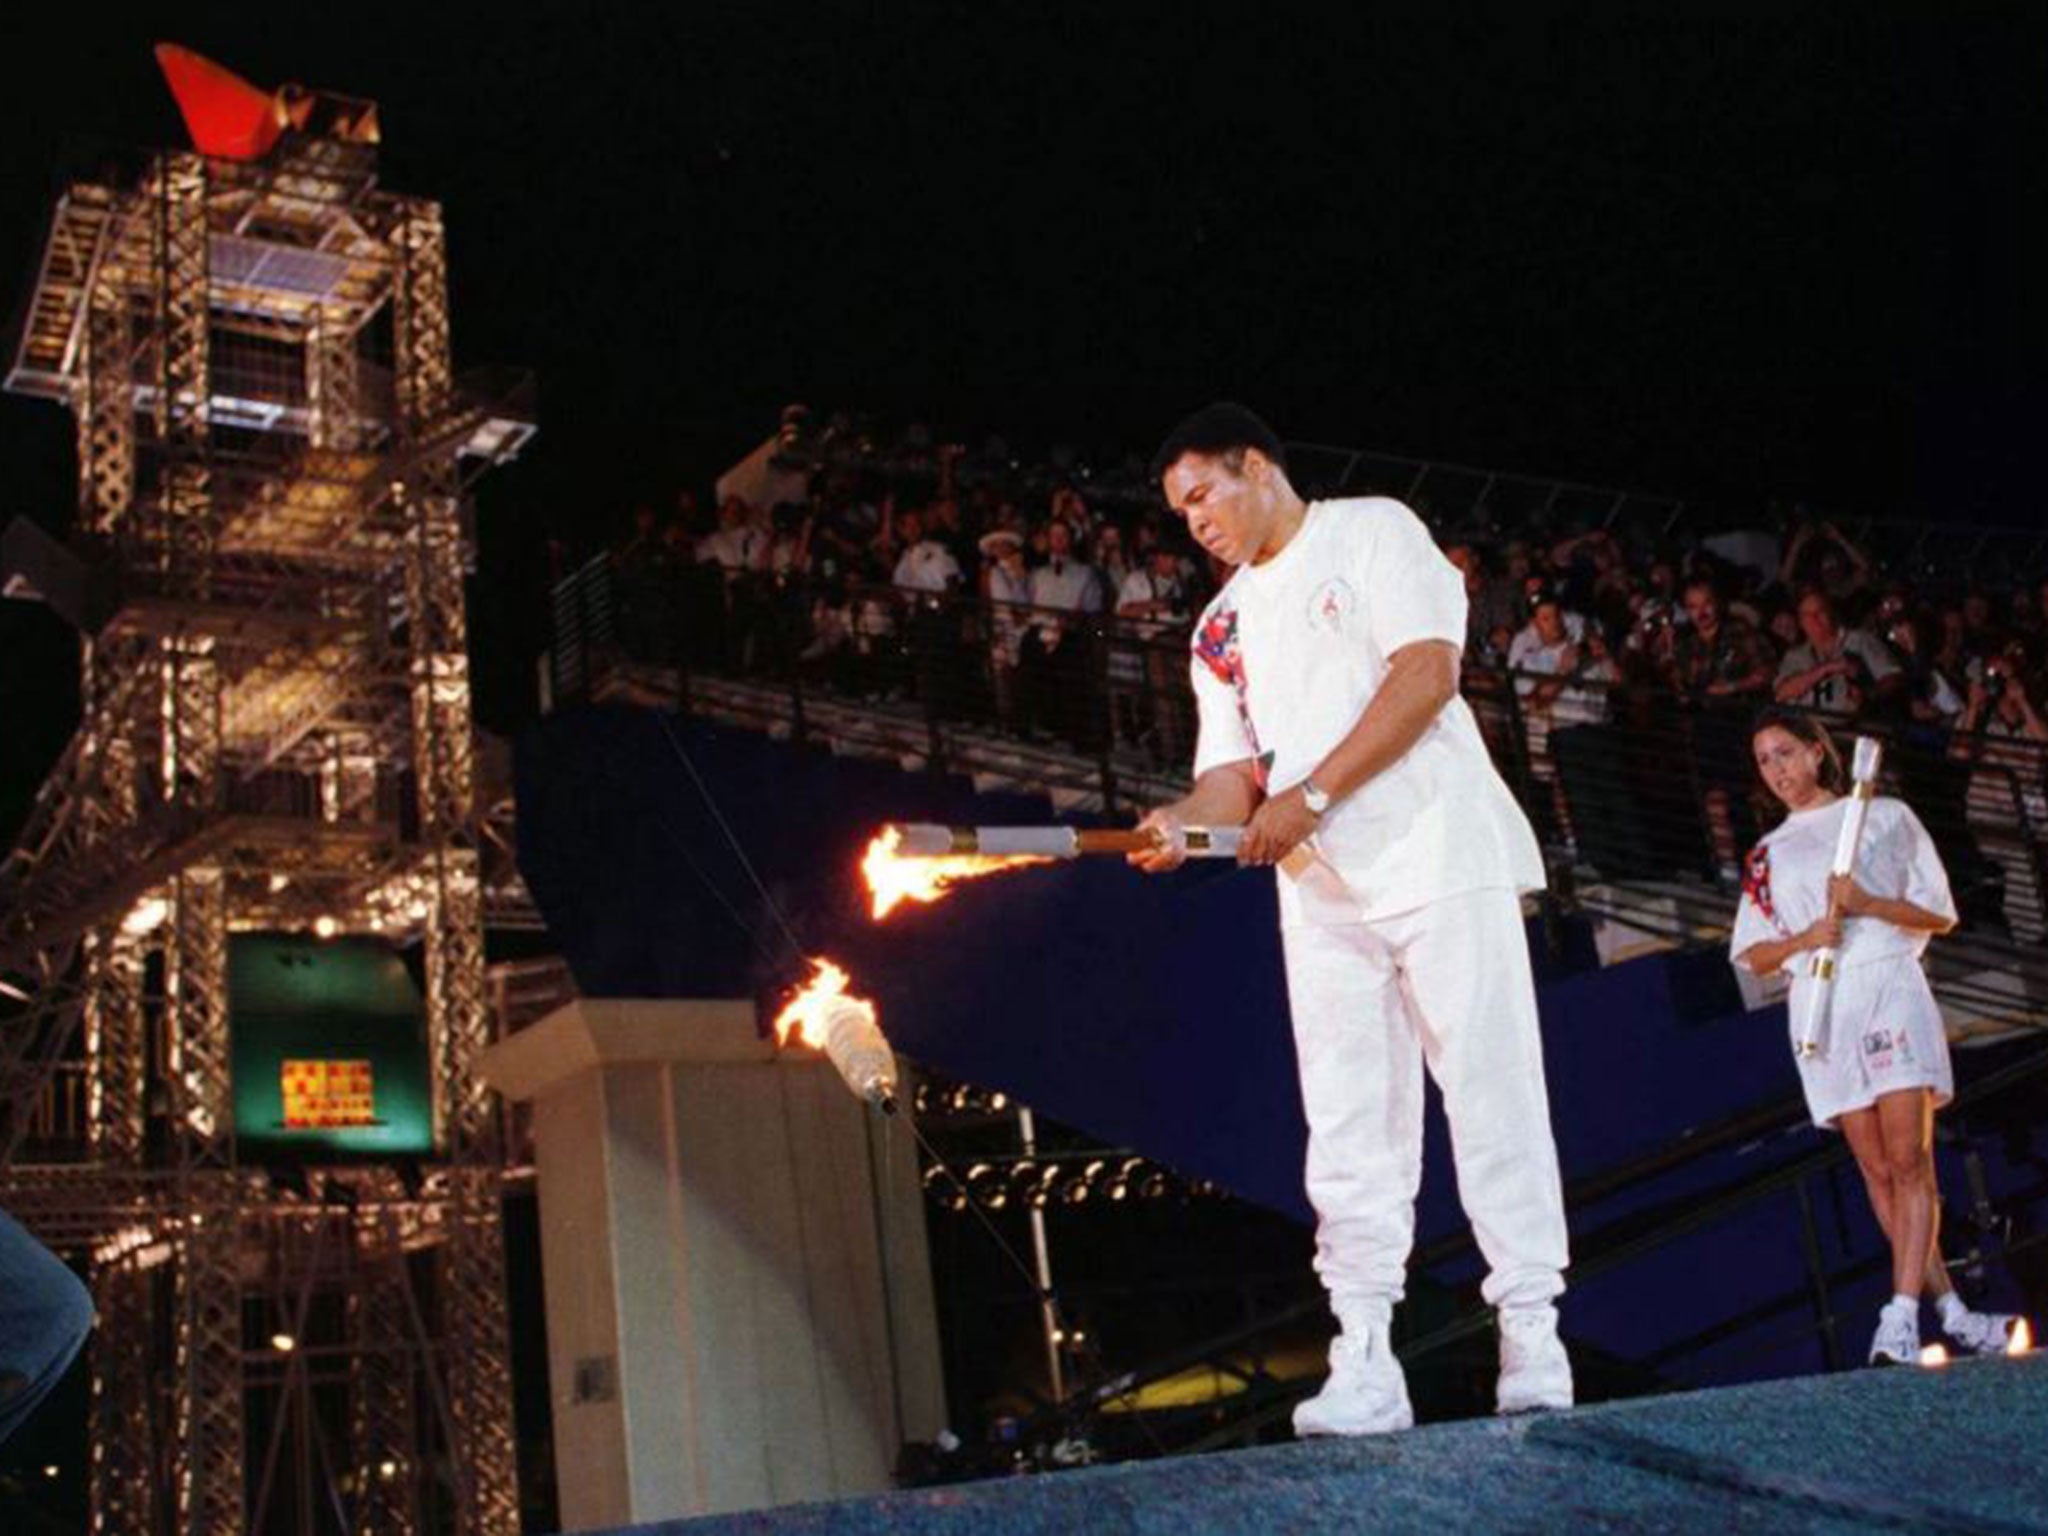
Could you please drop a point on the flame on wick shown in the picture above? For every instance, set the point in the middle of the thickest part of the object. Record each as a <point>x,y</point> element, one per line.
<point>894,879</point>
<point>2021,1339</point>
<point>805,1017</point>
<point>1933,1354</point>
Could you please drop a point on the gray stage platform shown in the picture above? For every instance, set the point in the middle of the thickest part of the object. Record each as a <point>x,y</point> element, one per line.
<point>1963,1448</point>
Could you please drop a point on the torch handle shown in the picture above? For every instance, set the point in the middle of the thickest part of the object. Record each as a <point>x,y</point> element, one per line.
<point>1821,967</point>
<point>1202,842</point>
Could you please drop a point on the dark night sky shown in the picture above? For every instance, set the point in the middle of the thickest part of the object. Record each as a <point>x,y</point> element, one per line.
<point>1685,251</point>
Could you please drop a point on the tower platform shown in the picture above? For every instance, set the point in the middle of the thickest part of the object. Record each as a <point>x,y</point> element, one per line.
<point>1951,1449</point>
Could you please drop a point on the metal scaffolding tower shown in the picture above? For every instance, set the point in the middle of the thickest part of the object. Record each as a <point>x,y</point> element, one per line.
<point>266,570</point>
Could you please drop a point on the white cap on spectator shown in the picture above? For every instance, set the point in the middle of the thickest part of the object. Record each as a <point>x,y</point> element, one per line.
<point>993,544</point>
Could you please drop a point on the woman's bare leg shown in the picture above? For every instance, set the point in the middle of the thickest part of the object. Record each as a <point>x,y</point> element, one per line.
<point>1906,1123</point>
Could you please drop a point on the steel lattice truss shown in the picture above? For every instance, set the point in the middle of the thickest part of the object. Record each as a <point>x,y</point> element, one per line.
<point>276,735</point>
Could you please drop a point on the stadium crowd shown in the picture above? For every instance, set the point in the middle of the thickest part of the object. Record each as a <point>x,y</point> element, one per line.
<point>1058,614</point>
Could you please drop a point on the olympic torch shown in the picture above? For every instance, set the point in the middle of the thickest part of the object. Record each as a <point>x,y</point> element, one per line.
<point>924,840</point>
<point>826,1016</point>
<point>1821,966</point>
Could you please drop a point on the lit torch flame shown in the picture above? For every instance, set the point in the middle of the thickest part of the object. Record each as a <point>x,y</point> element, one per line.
<point>893,879</point>
<point>2021,1339</point>
<point>803,1018</point>
<point>826,1017</point>
<point>1933,1354</point>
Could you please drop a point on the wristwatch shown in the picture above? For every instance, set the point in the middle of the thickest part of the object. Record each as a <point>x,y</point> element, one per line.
<point>1317,800</point>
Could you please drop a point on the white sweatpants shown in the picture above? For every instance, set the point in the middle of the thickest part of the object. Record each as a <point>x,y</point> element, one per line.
<point>1447,984</point>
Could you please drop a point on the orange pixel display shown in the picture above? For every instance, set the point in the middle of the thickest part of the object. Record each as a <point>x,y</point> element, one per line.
<point>324,1095</point>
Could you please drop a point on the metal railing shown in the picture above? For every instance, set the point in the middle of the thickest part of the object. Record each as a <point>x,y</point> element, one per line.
<point>1645,804</point>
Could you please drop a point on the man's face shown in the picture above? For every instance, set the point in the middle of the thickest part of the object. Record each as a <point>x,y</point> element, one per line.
<point>1816,623</point>
<point>909,526</point>
<point>1703,608</point>
<point>1549,620</point>
<point>1229,511</point>
<point>1059,538</point>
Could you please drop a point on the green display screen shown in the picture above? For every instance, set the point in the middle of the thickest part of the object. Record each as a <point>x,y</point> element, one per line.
<point>330,1049</point>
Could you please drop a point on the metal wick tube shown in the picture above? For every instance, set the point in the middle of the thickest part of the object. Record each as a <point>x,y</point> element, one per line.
<point>1027,1134</point>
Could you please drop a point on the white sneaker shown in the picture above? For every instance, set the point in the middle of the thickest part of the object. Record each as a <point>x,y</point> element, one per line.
<point>1366,1393</point>
<point>1535,1372</point>
<point>1981,1333</point>
<point>1897,1340</point>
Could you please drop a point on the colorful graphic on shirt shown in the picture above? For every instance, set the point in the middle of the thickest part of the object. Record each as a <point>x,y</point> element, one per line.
<point>1877,1049</point>
<point>1216,647</point>
<point>1756,885</point>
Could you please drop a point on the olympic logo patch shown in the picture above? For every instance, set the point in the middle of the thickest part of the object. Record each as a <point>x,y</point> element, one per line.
<point>1332,605</point>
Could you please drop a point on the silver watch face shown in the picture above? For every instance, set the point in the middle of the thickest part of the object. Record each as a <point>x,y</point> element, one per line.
<point>1315,799</point>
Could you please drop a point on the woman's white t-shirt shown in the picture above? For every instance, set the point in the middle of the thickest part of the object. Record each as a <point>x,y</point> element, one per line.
<point>1785,881</point>
<point>1286,658</point>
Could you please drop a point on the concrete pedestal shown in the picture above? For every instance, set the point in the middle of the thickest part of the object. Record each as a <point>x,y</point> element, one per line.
<point>739,1300</point>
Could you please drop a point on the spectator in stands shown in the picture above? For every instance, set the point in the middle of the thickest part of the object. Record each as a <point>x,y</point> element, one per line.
<point>1006,588</point>
<point>2001,735</point>
<point>785,581</point>
<point>1820,556</point>
<point>1546,658</point>
<point>1153,603</point>
<point>929,576</point>
<point>1931,698</point>
<point>1110,559</point>
<point>738,544</point>
<point>1489,605</point>
<point>1721,669</point>
<point>830,656</point>
<point>1716,658</point>
<point>1070,507</point>
<point>1834,669</point>
<point>737,550</point>
<point>925,565</point>
<point>942,523</point>
<point>843,530</point>
<point>643,578</point>
<point>1056,681</point>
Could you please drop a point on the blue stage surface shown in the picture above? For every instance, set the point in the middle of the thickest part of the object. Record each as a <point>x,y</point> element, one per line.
<point>1960,1448</point>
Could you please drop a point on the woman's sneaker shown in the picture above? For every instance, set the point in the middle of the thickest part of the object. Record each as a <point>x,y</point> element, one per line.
<point>1366,1393</point>
<point>1982,1333</point>
<point>1535,1372</point>
<point>1897,1340</point>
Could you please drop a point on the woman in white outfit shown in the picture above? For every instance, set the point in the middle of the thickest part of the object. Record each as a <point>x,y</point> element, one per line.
<point>1883,1066</point>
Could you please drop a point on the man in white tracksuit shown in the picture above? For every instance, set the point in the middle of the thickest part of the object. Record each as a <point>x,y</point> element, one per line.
<point>1326,675</point>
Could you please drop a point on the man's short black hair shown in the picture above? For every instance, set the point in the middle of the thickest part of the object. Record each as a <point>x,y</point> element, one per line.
<point>1223,430</point>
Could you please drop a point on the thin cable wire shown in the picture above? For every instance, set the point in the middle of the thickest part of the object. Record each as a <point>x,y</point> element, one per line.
<point>682,846</point>
<point>732,838</point>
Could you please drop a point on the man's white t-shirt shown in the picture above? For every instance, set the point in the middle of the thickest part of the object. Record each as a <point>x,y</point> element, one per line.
<point>1572,706</point>
<point>927,566</point>
<point>1286,658</point>
<point>1785,882</point>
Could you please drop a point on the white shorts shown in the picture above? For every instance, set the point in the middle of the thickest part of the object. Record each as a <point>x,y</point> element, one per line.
<point>1883,1034</point>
